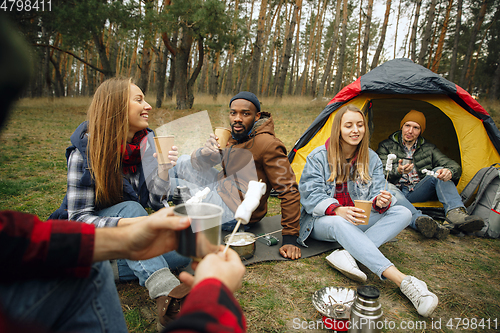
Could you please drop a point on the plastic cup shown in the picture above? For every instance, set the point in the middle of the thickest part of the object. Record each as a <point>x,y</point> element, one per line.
<point>223,134</point>
<point>366,206</point>
<point>204,235</point>
<point>163,145</point>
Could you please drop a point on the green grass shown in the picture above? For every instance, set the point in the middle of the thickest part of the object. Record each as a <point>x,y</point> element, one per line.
<point>463,272</point>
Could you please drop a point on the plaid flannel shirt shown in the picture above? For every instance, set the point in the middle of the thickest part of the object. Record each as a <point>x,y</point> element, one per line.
<point>31,248</point>
<point>410,179</point>
<point>81,198</point>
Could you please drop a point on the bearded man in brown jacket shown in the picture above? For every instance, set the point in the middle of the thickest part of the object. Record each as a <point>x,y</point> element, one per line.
<point>252,153</point>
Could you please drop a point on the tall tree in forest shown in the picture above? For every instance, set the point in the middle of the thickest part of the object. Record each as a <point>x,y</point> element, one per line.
<point>366,38</point>
<point>382,35</point>
<point>301,84</point>
<point>257,49</point>
<point>332,50</point>
<point>444,29</point>
<point>288,49</point>
<point>340,66</point>
<point>202,22</point>
<point>454,52</point>
<point>398,17</point>
<point>414,27</point>
<point>472,41</point>
<point>426,38</point>
<point>147,48</point>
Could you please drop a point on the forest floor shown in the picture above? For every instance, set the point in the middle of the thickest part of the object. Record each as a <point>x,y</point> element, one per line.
<point>464,272</point>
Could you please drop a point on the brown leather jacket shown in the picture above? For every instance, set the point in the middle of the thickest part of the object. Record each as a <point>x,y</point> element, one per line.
<point>271,166</point>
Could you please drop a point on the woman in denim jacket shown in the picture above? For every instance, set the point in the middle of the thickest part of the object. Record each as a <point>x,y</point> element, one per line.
<point>343,170</point>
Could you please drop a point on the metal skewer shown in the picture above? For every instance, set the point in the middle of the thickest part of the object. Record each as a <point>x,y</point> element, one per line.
<point>273,232</point>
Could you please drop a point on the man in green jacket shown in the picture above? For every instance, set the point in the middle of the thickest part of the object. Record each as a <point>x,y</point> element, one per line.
<point>429,175</point>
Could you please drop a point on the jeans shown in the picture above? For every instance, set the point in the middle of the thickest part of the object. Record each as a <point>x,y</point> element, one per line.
<point>83,305</point>
<point>141,269</point>
<point>363,241</point>
<point>429,188</point>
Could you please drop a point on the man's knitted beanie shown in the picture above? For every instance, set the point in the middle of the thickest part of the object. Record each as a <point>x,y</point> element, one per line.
<point>415,116</point>
<point>249,97</point>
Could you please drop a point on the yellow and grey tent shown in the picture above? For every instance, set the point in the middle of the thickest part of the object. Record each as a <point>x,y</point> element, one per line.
<point>456,123</point>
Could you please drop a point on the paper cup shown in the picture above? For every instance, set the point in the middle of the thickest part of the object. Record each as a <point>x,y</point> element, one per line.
<point>223,134</point>
<point>204,235</point>
<point>367,206</point>
<point>163,145</point>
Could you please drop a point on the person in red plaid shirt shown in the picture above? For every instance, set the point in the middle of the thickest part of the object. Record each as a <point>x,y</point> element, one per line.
<point>56,276</point>
<point>335,174</point>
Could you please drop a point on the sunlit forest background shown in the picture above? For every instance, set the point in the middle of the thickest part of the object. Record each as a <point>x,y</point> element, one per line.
<point>274,48</point>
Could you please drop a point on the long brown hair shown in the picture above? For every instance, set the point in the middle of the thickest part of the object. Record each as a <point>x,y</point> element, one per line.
<point>107,131</point>
<point>340,169</point>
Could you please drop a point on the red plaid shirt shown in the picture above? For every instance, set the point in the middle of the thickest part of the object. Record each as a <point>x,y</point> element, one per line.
<point>30,248</point>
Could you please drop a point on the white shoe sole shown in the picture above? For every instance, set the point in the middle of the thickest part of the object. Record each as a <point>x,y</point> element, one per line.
<point>431,309</point>
<point>350,275</point>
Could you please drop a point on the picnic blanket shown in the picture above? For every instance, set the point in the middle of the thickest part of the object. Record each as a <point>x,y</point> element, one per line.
<point>264,252</point>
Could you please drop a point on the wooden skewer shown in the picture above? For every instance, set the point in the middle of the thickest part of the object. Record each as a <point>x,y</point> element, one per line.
<point>232,234</point>
<point>273,232</point>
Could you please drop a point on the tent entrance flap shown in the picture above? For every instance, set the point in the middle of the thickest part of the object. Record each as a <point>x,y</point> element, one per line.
<point>388,113</point>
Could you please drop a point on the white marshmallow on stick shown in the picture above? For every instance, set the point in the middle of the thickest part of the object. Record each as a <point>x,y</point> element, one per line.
<point>390,158</point>
<point>255,191</point>
<point>199,196</point>
<point>388,167</point>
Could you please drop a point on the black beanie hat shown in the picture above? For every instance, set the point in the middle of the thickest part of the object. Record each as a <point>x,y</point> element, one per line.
<point>249,97</point>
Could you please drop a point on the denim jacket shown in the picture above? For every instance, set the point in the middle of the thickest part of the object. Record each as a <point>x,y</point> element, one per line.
<point>317,193</point>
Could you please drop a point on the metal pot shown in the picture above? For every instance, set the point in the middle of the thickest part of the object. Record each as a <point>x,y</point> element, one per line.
<point>243,243</point>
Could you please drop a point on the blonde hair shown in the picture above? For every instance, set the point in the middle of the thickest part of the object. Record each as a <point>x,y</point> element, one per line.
<point>340,169</point>
<point>107,131</point>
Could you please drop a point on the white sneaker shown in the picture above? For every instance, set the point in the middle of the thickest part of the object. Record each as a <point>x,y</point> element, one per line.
<point>345,263</point>
<point>423,300</point>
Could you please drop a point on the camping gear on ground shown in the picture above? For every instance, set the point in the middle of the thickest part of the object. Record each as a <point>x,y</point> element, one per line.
<point>481,196</point>
<point>334,303</point>
<point>267,239</point>
<point>242,243</point>
<point>204,234</point>
<point>366,311</point>
<point>456,123</point>
<point>181,195</point>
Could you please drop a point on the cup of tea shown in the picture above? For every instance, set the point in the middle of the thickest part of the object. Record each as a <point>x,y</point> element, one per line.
<point>163,145</point>
<point>407,160</point>
<point>366,206</point>
<point>224,134</point>
<point>204,234</point>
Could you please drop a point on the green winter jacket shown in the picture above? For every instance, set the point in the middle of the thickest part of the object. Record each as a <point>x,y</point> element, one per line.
<point>426,156</point>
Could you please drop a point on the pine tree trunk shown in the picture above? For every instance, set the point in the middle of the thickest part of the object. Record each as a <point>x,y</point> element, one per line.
<point>427,34</point>
<point>444,29</point>
<point>397,28</point>
<point>161,72</point>
<point>382,35</point>
<point>181,73</point>
<point>257,49</point>
<point>301,85</point>
<point>331,52</point>
<point>413,38</point>
<point>472,42</point>
<point>340,67</point>
<point>366,38</point>
<point>454,52</point>
<point>358,45</point>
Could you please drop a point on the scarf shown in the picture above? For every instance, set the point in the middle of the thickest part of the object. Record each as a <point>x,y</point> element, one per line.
<point>132,153</point>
